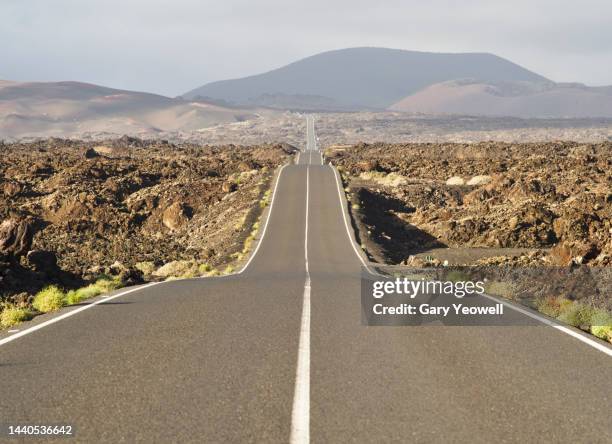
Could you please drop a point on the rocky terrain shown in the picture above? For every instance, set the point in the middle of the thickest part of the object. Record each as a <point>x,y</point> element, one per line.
<point>552,199</point>
<point>395,127</point>
<point>271,126</point>
<point>532,220</point>
<point>71,210</point>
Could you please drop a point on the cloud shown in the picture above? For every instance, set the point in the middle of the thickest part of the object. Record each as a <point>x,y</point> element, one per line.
<point>172,46</point>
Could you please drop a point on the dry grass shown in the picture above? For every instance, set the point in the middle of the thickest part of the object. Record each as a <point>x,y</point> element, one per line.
<point>203,269</point>
<point>498,288</point>
<point>265,201</point>
<point>602,325</point>
<point>597,322</point>
<point>49,299</point>
<point>12,315</point>
<point>147,268</point>
<point>176,269</point>
<point>103,284</point>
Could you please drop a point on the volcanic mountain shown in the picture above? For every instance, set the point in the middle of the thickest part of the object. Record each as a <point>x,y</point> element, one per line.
<point>360,78</point>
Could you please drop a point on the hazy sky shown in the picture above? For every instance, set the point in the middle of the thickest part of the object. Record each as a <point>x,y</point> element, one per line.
<point>171,46</point>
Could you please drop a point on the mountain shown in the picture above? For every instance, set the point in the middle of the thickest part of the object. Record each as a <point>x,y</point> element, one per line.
<point>513,99</point>
<point>360,78</point>
<point>70,108</point>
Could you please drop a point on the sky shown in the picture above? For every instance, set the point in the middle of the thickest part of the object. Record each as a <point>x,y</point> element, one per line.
<point>172,46</point>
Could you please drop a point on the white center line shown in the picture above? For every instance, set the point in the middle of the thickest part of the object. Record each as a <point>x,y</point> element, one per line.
<point>300,415</point>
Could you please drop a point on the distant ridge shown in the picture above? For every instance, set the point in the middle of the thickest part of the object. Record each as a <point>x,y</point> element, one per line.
<point>360,78</point>
<point>32,109</point>
<point>510,99</point>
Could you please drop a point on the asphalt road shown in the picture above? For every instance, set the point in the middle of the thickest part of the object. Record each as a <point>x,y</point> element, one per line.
<point>278,353</point>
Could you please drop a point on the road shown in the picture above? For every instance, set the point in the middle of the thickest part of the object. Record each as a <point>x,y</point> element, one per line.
<point>277,353</point>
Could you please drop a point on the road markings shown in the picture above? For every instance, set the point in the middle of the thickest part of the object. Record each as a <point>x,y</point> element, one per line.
<point>72,313</point>
<point>591,342</point>
<point>106,298</point>
<point>263,233</point>
<point>300,414</point>
<point>346,224</point>
<point>306,223</point>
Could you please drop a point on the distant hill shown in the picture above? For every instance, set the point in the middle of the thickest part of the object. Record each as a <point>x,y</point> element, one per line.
<point>513,99</point>
<point>71,108</point>
<point>360,78</point>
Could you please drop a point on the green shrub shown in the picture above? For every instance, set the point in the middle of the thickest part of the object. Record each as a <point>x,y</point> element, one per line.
<point>49,299</point>
<point>147,268</point>
<point>72,297</point>
<point>457,276</point>
<point>176,268</point>
<point>248,242</point>
<point>107,283</point>
<point>229,269</point>
<point>601,325</point>
<point>265,200</point>
<point>190,274</point>
<point>103,284</point>
<point>577,315</point>
<point>204,268</point>
<point>76,296</point>
<point>12,315</point>
<point>553,305</point>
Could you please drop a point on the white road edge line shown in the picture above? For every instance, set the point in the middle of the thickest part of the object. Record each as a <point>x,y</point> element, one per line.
<point>269,216</point>
<point>346,225</point>
<point>300,413</point>
<point>73,312</point>
<point>561,328</point>
<point>593,343</point>
<point>106,298</point>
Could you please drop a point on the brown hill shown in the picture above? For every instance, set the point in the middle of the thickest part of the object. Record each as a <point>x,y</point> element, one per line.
<point>517,99</point>
<point>71,108</point>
